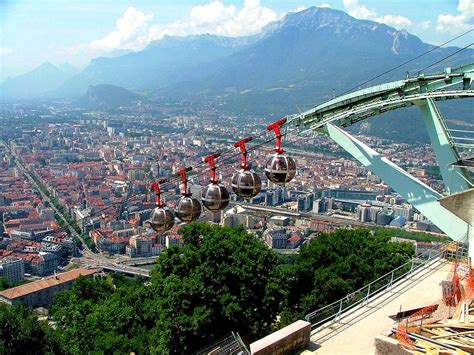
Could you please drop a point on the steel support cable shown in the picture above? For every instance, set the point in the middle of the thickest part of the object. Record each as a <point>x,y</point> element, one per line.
<point>326,120</point>
<point>202,172</point>
<point>449,56</point>
<point>387,105</point>
<point>172,180</point>
<point>407,62</point>
<point>227,151</point>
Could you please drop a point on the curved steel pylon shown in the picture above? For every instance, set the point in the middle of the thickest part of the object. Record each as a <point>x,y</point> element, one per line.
<point>422,91</point>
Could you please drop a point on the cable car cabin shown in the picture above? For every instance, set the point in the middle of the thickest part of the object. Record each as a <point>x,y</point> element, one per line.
<point>280,168</point>
<point>161,219</point>
<point>215,196</point>
<point>246,183</point>
<point>188,209</point>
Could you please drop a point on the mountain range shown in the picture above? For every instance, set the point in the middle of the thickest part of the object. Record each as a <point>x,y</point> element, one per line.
<point>302,59</point>
<point>36,83</point>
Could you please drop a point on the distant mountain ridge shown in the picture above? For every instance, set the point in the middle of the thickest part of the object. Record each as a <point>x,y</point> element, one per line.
<point>303,59</point>
<point>163,62</point>
<point>306,58</point>
<point>45,78</point>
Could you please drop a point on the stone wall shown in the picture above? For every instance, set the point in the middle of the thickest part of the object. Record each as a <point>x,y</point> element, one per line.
<point>284,341</point>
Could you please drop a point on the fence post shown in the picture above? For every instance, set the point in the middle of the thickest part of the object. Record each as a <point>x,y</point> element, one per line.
<point>340,311</point>
<point>391,281</point>
<point>368,295</point>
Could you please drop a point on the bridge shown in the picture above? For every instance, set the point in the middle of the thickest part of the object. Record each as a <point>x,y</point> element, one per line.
<point>134,271</point>
<point>96,261</point>
<point>138,261</point>
<point>447,211</point>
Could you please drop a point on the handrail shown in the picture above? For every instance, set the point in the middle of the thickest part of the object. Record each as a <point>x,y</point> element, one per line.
<point>334,311</point>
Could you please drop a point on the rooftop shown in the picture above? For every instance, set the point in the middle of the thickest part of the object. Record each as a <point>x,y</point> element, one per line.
<point>35,286</point>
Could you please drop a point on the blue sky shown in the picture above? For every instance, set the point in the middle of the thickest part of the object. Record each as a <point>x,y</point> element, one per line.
<point>32,31</point>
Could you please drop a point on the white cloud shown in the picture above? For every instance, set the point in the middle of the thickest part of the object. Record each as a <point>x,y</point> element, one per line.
<point>5,51</point>
<point>134,31</point>
<point>212,12</point>
<point>466,7</point>
<point>324,5</point>
<point>249,20</point>
<point>396,21</point>
<point>425,25</point>
<point>461,22</point>
<point>358,10</point>
<point>299,9</point>
<point>131,33</point>
<point>452,24</point>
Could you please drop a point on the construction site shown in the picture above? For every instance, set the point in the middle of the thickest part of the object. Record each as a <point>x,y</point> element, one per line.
<point>426,310</point>
<point>445,326</point>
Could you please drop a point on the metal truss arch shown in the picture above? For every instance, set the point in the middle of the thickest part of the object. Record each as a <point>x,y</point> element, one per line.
<point>422,91</point>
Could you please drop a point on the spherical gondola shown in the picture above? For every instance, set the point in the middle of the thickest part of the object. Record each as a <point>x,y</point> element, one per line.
<point>215,196</point>
<point>279,167</point>
<point>188,208</point>
<point>245,182</point>
<point>162,218</point>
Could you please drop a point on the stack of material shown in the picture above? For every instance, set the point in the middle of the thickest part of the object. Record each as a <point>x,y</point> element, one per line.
<point>446,327</point>
<point>444,337</point>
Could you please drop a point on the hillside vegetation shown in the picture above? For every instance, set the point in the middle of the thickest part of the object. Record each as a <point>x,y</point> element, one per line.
<point>222,280</point>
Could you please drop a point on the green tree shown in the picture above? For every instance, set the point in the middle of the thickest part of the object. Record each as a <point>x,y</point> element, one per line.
<point>412,235</point>
<point>223,280</point>
<point>334,265</point>
<point>4,284</point>
<point>22,333</point>
<point>104,315</point>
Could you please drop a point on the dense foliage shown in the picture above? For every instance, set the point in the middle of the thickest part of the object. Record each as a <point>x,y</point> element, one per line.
<point>412,235</point>
<point>96,315</point>
<point>334,265</point>
<point>198,293</point>
<point>215,285</point>
<point>222,280</point>
<point>22,333</point>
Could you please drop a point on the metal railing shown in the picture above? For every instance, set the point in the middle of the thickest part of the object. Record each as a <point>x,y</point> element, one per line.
<point>333,312</point>
<point>229,345</point>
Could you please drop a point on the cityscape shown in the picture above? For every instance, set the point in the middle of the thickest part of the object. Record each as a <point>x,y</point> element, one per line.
<point>87,169</point>
<point>93,188</point>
